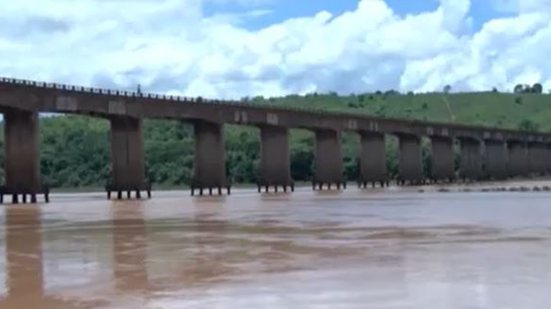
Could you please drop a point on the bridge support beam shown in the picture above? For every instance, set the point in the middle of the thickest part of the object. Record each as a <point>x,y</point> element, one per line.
<point>496,159</point>
<point>275,162</point>
<point>209,172</point>
<point>127,158</point>
<point>543,154</point>
<point>470,167</point>
<point>537,158</point>
<point>372,160</point>
<point>22,157</point>
<point>328,160</point>
<point>518,159</point>
<point>548,158</point>
<point>410,162</point>
<point>443,163</point>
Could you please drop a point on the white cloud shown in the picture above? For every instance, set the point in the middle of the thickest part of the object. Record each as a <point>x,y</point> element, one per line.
<point>171,46</point>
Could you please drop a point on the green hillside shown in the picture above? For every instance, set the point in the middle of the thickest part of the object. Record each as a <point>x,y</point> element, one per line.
<point>75,149</point>
<point>503,110</point>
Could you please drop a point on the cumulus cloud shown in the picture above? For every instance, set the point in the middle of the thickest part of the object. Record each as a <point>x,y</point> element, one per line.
<point>173,46</point>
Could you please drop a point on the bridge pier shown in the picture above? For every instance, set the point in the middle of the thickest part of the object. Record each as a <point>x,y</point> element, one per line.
<point>542,162</point>
<point>548,158</point>
<point>209,172</point>
<point>518,159</point>
<point>275,162</point>
<point>537,158</point>
<point>410,161</point>
<point>496,159</point>
<point>470,167</point>
<point>443,160</point>
<point>328,160</point>
<point>372,160</point>
<point>22,157</point>
<point>127,158</point>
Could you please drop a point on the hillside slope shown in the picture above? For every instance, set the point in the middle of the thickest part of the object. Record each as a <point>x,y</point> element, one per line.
<point>503,110</point>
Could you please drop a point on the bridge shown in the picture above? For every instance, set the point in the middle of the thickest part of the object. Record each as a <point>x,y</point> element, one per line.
<point>484,152</point>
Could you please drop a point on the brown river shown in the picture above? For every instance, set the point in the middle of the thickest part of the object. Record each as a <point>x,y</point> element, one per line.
<point>397,248</point>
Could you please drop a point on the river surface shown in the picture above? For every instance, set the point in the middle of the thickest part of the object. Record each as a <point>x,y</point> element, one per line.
<point>377,249</point>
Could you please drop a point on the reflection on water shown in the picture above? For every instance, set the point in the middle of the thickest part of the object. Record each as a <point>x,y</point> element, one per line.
<point>353,250</point>
<point>24,262</point>
<point>23,254</point>
<point>129,249</point>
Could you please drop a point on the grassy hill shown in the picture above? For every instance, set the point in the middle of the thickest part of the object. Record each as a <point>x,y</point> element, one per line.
<point>503,110</point>
<point>75,149</point>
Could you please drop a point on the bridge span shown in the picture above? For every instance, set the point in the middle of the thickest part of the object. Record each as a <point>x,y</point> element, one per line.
<point>484,152</point>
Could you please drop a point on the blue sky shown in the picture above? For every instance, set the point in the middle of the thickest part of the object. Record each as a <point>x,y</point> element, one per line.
<point>481,10</point>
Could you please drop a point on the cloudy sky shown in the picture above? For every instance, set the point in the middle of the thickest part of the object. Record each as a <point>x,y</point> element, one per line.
<point>236,48</point>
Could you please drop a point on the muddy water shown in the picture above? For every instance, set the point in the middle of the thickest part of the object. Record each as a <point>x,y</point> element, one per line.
<point>392,249</point>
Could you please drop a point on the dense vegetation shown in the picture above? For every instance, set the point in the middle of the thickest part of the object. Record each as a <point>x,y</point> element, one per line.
<point>75,149</point>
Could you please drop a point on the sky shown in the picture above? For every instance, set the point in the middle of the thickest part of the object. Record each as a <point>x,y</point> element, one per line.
<point>238,48</point>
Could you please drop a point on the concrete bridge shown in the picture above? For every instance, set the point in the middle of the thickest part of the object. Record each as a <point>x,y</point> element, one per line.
<point>485,152</point>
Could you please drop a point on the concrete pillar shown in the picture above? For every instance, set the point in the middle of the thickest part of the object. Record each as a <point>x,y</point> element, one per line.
<point>471,159</point>
<point>328,160</point>
<point>518,159</point>
<point>127,157</point>
<point>372,159</point>
<point>548,158</point>
<point>22,156</point>
<point>543,158</point>
<point>496,159</point>
<point>209,170</point>
<point>532,158</point>
<point>537,158</point>
<point>275,162</point>
<point>443,163</point>
<point>410,161</point>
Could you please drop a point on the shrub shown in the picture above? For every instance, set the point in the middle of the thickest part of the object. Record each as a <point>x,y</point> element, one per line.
<point>528,125</point>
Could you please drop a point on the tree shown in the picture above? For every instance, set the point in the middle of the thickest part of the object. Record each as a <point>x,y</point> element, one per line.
<point>519,88</point>
<point>447,89</point>
<point>537,88</point>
